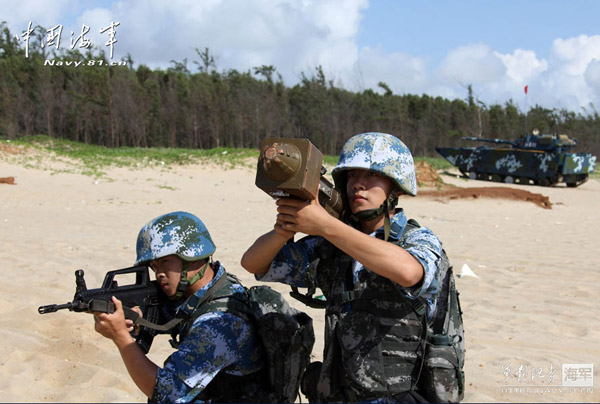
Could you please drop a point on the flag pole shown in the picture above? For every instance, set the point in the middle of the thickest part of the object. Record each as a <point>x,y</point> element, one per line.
<point>526,89</point>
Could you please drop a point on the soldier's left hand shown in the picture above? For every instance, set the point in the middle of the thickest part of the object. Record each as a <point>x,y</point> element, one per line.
<point>111,325</point>
<point>307,217</point>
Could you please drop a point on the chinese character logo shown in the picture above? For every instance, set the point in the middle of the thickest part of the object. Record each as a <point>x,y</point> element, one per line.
<point>578,374</point>
<point>54,35</point>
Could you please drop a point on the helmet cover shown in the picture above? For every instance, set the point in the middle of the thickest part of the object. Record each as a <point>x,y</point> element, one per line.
<point>381,153</point>
<point>175,233</point>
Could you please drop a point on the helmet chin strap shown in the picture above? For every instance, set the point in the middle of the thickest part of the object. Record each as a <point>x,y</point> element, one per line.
<point>185,283</point>
<point>386,207</point>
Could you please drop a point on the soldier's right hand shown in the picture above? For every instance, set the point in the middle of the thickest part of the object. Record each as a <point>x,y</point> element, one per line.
<point>131,326</point>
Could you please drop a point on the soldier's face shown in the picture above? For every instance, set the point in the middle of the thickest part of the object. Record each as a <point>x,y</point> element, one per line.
<point>168,273</point>
<point>366,189</point>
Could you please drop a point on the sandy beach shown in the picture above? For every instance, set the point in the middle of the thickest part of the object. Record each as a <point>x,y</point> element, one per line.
<point>531,309</point>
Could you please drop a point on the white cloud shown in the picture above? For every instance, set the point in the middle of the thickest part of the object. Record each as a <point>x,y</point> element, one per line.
<point>402,72</point>
<point>571,72</point>
<point>472,64</point>
<point>592,74</point>
<point>574,54</point>
<point>18,13</point>
<point>97,19</point>
<point>292,35</point>
<point>570,78</point>
<point>522,66</point>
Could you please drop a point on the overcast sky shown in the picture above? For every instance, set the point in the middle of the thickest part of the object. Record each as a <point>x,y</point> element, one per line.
<point>417,46</point>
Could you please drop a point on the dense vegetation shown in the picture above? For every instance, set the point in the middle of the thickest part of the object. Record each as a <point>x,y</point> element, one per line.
<point>117,106</point>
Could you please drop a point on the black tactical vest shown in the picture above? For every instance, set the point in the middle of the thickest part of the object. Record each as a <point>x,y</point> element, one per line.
<point>374,334</point>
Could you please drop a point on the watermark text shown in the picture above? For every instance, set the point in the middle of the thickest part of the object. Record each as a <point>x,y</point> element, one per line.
<point>53,37</point>
<point>82,63</point>
<point>527,379</point>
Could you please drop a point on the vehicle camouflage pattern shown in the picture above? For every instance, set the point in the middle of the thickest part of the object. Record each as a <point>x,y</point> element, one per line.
<point>533,159</point>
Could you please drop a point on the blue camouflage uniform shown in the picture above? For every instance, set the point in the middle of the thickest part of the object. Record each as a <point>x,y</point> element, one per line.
<point>217,342</point>
<point>349,338</point>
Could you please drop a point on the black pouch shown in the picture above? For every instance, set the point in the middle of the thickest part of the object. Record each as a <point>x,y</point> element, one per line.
<point>308,385</point>
<point>442,379</point>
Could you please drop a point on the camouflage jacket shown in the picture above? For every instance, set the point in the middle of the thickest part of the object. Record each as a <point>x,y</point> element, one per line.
<point>367,314</point>
<point>217,344</point>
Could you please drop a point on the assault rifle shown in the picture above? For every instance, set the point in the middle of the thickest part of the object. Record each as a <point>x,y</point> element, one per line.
<point>294,167</point>
<point>143,293</point>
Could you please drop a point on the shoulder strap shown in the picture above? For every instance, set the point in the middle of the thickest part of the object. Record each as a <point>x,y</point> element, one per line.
<point>418,304</point>
<point>452,300</point>
<point>224,300</point>
<point>196,306</point>
<point>324,252</point>
<point>447,282</point>
<point>193,302</point>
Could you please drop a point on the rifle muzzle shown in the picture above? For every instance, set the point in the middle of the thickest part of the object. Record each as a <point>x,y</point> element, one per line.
<point>51,308</point>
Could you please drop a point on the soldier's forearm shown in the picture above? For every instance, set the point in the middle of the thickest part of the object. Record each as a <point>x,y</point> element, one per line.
<point>258,257</point>
<point>383,258</point>
<point>141,369</point>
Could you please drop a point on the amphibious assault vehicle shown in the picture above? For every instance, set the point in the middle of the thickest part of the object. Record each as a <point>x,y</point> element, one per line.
<point>538,159</point>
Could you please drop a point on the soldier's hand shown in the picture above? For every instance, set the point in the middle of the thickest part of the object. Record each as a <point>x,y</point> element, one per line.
<point>307,217</point>
<point>280,225</point>
<point>112,325</point>
<point>131,326</point>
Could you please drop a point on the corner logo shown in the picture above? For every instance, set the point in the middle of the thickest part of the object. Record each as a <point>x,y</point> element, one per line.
<point>578,374</point>
<point>54,35</point>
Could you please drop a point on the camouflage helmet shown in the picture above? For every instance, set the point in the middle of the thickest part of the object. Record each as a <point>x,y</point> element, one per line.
<point>178,233</point>
<point>379,152</point>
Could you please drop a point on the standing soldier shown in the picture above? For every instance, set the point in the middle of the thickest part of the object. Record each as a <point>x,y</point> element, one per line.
<point>379,274</point>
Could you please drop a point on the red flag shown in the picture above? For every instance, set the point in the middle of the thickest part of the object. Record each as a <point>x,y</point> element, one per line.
<point>526,89</point>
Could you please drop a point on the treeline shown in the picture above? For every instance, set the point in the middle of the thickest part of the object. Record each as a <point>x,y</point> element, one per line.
<point>114,106</point>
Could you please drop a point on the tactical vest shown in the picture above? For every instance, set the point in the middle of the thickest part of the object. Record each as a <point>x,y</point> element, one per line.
<point>378,343</point>
<point>374,334</point>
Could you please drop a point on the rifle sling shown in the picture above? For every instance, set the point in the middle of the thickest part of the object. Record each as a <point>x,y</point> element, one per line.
<point>181,314</point>
<point>139,320</point>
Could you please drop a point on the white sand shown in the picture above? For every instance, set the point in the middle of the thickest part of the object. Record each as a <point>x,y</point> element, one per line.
<point>535,304</point>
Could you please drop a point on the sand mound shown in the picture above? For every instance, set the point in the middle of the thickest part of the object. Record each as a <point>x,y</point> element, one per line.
<point>490,192</point>
<point>8,149</point>
<point>426,176</point>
